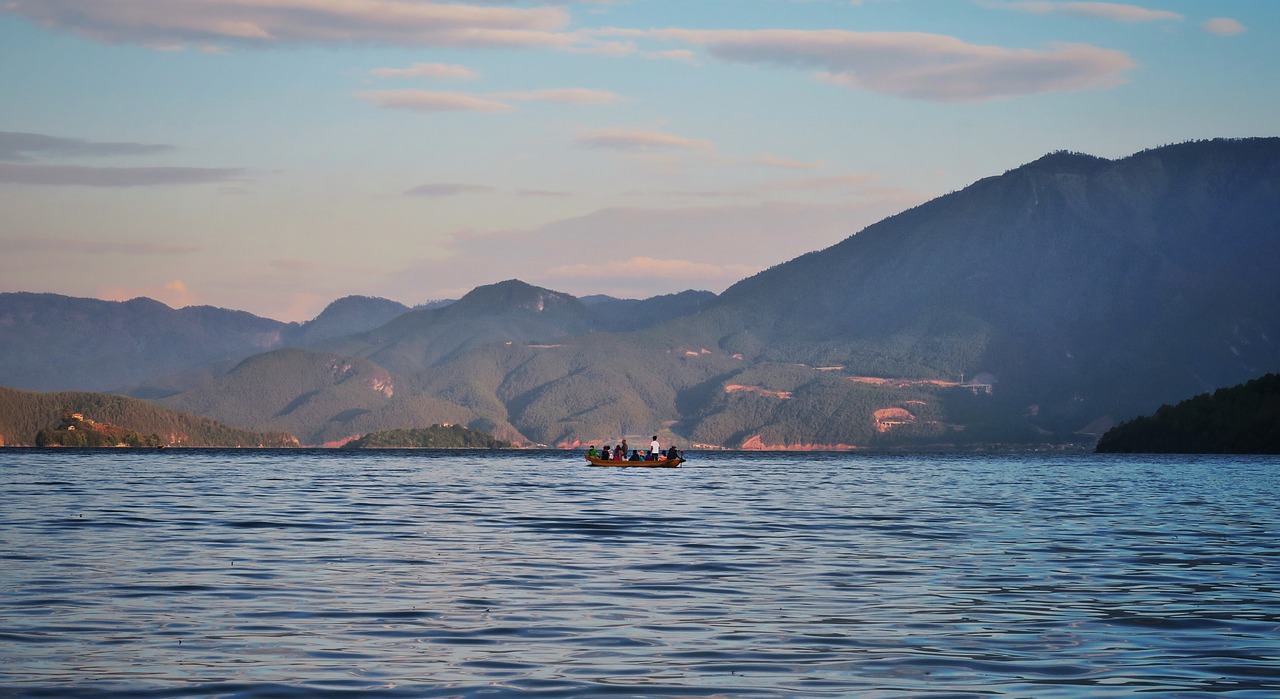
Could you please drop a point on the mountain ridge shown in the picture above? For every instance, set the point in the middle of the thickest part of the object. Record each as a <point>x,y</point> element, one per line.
<point>1088,290</point>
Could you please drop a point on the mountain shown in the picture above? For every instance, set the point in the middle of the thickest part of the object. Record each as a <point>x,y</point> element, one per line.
<point>1243,419</point>
<point>617,315</point>
<point>310,394</point>
<point>1085,288</point>
<point>51,342</point>
<point>24,414</point>
<point>346,316</point>
<point>509,311</point>
<point>1038,306</point>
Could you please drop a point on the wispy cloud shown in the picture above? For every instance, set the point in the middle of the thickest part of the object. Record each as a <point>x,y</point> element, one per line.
<point>1224,26</point>
<point>914,65</point>
<point>640,140</point>
<point>78,175</point>
<point>1114,11</point>
<point>428,101</point>
<point>23,147</point>
<point>427,70</point>
<point>566,95</point>
<point>403,22</point>
<point>447,189</point>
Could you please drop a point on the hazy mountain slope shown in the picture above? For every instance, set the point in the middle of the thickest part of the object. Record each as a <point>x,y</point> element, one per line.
<point>50,342</point>
<point>580,390</point>
<point>621,315</point>
<point>293,390</point>
<point>24,413</point>
<point>510,311</point>
<point>1085,286</point>
<point>1026,307</point>
<point>346,316</point>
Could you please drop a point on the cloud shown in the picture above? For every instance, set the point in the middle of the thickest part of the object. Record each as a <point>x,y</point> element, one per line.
<point>1224,26</point>
<point>269,22</point>
<point>425,101</point>
<point>22,147</point>
<point>567,95</point>
<point>446,189</point>
<point>913,65</point>
<point>78,175</point>
<point>640,140</point>
<point>1117,12</point>
<point>427,70</point>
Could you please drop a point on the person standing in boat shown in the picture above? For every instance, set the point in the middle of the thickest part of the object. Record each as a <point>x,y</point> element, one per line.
<point>654,447</point>
<point>624,446</point>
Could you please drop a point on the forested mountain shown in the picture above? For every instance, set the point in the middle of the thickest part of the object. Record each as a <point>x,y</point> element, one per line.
<point>1041,305</point>
<point>346,316</point>
<point>1243,419</point>
<point>52,342</point>
<point>1085,287</point>
<point>24,414</point>
<point>621,315</point>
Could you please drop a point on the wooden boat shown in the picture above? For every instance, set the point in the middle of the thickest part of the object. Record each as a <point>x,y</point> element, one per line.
<point>664,463</point>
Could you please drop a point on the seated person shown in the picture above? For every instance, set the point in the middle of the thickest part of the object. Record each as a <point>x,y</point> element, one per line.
<point>635,455</point>
<point>592,453</point>
<point>605,454</point>
<point>673,453</point>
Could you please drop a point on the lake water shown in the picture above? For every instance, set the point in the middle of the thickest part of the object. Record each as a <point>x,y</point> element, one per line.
<point>440,574</point>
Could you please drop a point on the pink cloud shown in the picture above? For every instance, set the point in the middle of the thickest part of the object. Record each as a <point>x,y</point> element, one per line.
<point>426,70</point>
<point>1117,12</point>
<point>426,101</point>
<point>1224,26</point>
<point>404,22</point>
<point>566,95</point>
<point>641,140</point>
<point>914,65</point>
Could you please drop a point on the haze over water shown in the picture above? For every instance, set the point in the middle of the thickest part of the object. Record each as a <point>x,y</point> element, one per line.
<point>404,574</point>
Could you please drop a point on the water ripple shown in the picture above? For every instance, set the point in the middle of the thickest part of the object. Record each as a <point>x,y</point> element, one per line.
<point>264,574</point>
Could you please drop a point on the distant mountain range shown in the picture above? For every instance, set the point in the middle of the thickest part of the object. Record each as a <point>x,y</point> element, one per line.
<point>1041,305</point>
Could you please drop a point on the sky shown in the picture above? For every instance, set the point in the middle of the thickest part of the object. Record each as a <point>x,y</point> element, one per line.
<point>272,156</point>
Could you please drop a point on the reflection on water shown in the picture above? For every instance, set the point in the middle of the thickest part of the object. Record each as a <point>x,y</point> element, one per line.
<point>400,574</point>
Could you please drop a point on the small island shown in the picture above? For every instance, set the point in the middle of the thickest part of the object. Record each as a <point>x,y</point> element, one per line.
<point>433,437</point>
<point>1243,419</point>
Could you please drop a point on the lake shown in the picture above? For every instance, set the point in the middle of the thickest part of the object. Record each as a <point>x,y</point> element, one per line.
<point>311,573</point>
